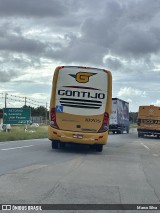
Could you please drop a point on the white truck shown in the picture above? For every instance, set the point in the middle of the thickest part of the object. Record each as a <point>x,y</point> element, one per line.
<point>119,119</point>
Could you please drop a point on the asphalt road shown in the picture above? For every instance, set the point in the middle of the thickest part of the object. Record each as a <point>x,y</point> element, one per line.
<point>126,172</point>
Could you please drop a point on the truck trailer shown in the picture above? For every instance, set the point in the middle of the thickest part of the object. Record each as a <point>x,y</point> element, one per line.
<point>119,119</point>
<point>148,121</point>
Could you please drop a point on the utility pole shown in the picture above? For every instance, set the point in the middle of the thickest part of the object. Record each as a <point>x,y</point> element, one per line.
<point>5,99</point>
<point>46,114</point>
<point>25,101</point>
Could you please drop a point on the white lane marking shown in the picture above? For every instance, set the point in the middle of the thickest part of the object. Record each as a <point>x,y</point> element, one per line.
<point>2,143</point>
<point>145,146</point>
<point>19,141</point>
<point>19,147</point>
<point>155,155</point>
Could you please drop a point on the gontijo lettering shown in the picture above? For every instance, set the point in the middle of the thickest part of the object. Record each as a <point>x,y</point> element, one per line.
<point>81,94</point>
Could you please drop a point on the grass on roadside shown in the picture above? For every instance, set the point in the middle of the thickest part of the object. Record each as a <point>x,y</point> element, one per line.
<point>19,133</point>
<point>133,125</point>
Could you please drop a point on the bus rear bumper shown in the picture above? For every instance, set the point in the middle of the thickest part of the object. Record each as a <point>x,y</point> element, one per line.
<point>77,137</point>
<point>149,131</point>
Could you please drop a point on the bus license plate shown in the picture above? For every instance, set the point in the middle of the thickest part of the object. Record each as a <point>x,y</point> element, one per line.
<point>77,136</point>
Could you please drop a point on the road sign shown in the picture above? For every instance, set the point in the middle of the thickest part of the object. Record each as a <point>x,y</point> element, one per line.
<point>16,115</point>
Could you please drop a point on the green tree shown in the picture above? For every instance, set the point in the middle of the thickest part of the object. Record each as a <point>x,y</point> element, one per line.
<point>133,117</point>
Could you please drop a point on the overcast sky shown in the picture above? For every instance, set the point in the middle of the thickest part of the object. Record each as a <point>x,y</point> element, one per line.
<point>122,36</point>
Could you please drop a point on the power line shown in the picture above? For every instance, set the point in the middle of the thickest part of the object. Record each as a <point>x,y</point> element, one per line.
<point>21,99</point>
<point>16,96</point>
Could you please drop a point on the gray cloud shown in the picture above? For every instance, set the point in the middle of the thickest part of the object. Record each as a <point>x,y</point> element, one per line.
<point>12,40</point>
<point>6,76</point>
<point>137,42</point>
<point>125,32</point>
<point>118,30</point>
<point>113,63</point>
<point>31,8</point>
<point>78,52</point>
<point>21,45</point>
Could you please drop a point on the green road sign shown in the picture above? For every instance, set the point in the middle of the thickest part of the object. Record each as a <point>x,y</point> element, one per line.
<point>16,115</point>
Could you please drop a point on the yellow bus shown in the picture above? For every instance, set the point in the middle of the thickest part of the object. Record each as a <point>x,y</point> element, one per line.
<point>148,121</point>
<point>80,106</point>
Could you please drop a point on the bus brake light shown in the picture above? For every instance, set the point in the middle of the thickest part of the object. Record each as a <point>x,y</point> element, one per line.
<point>105,124</point>
<point>53,119</point>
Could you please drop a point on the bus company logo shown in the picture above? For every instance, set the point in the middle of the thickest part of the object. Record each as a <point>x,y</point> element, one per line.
<point>82,77</point>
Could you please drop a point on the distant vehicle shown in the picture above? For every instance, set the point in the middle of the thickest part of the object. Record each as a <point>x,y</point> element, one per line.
<point>148,121</point>
<point>34,125</point>
<point>80,106</point>
<point>5,127</point>
<point>1,129</point>
<point>119,119</point>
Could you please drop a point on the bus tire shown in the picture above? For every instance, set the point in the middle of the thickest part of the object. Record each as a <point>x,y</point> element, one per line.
<point>127,130</point>
<point>120,132</point>
<point>99,147</point>
<point>62,145</point>
<point>55,144</point>
<point>140,135</point>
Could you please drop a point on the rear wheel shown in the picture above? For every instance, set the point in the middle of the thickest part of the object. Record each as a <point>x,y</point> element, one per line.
<point>99,147</point>
<point>120,132</point>
<point>140,135</point>
<point>62,145</point>
<point>55,144</point>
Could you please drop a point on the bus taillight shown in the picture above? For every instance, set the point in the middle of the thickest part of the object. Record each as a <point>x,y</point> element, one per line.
<point>105,124</point>
<point>139,122</point>
<point>53,119</point>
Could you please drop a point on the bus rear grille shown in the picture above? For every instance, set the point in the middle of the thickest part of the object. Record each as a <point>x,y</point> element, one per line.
<point>80,103</point>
